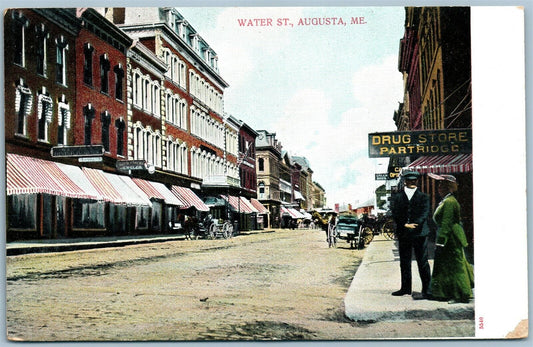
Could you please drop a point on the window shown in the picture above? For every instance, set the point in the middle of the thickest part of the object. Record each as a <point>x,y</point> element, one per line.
<point>88,64</point>
<point>121,126</point>
<point>119,78</point>
<point>20,23</point>
<point>61,64</point>
<point>105,119</point>
<point>63,121</point>
<point>87,215</point>
<point>104,73</point>
<point>21,211</point>
<point>41,36</point>
<point>44,114</point>
<point>261,164</point>
<point>23,106</point>
<point>88,112</point>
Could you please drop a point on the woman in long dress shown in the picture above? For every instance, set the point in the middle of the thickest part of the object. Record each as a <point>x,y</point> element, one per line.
<point>452,279</point>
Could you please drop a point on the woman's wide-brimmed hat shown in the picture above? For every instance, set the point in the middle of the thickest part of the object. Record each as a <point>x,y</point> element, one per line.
<point>449,178</point>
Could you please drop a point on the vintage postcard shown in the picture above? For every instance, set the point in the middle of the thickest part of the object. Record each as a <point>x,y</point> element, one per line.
<point>294,173</point>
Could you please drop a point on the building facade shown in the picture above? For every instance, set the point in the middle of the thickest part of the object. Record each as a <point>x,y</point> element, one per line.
<point>436,64</point>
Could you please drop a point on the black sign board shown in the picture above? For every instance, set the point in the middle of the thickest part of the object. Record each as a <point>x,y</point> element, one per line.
<point>77,151</point>
<point>382,176</point>
<point>422,142</point>
<point>126,165</point>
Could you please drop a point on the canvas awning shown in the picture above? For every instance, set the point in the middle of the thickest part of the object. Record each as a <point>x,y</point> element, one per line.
<point>298,195</point>
<point>259,206</point>
<point>28,175</point>
<point>442,164</point>
<point>189,198</point>
<point>240,204</point>
<point>116,189</point>
<point>292,212</point>
<point>156,190</point>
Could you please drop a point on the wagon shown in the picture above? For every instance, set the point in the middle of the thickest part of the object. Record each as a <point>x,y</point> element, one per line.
<point>220,229</point>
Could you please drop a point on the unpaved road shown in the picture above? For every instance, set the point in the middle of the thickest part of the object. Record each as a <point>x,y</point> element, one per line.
<point>282,285</point>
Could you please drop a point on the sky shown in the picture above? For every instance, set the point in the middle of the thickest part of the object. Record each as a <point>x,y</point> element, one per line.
<point>320,88</point>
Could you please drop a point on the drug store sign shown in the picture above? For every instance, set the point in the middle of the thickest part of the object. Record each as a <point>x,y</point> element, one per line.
<point>423,142</point>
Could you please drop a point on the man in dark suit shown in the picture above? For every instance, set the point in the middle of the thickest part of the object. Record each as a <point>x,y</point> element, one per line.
<point>410,210</point>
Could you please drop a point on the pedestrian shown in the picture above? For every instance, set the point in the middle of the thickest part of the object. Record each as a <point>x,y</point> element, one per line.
<point>410,210</point>
<point>332,223</point>
<point>453,276</point>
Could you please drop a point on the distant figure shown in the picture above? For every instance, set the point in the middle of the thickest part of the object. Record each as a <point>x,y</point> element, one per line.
<point>332,223</point>
<point>453,276</point>
<point>410,210</point>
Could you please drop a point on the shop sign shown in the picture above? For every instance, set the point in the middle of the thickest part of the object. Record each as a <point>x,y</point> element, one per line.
<point>394,172</point>
<point>126,165</point>
<point>90,159</point>
<point>77,151</point>
<point>382,176</point>
<point>423,142</point>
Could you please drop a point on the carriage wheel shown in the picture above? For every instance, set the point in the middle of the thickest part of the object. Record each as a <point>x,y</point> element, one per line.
<point>388,229</point>
<point>228,230</point>
<point>212,232</point>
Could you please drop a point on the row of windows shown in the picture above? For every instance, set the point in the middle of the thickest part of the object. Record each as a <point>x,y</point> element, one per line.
<point>104,72</point>
<point>176,110</point>
<point>105,119</point>
<point>232,143</point>
<point>433,115</point>
<point>24,102</point>
<point>204,164</point>
<point>21,31</point>
<point>194,40</point>
<point>177,157</point>
<point>147,145</point>
<point>203,91</point>
<point>177,70</point>
<point>207,128</point>
<point>428,43</point>
<point>146,93</point>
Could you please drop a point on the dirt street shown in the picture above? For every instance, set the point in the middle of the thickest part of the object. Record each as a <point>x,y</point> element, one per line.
<point>282,285</point>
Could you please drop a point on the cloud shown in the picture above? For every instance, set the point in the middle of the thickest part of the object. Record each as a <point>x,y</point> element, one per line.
<point>337,146</point>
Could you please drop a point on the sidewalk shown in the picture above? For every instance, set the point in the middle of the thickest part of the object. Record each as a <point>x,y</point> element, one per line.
<point>369,296</point>
<point>73,244</point>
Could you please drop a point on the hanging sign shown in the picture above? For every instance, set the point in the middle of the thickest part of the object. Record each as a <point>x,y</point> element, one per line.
<point>422,142</point>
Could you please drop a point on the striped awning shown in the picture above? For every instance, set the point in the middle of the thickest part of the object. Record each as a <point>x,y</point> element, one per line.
<point>442,164</point>
<point>156,190</point>
<point>103,186</point>
<point>189,198</point>
<point>240,204</point>
<point>116,189</point>
<point>248,205</point>
<point>129,190</point>
<point>28,175</point>
<point>259,206</point>
<point>292,212</point>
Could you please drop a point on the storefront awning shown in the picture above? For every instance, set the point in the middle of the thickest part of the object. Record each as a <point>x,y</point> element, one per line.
<point>292,212</point>
<point>442,164</point>
<point>81,180</point>
<point>248,205</point>
<point>298,195</point>
<point>259,206</point>
<point>27,175</point>
<point>158,191</point>
<point>116,189</point>
<point>240,204</point>
<point>189,198</point>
